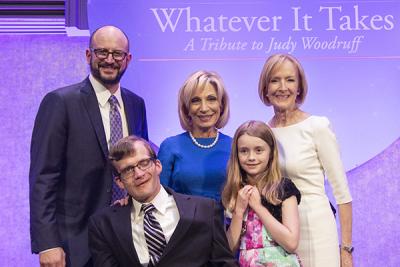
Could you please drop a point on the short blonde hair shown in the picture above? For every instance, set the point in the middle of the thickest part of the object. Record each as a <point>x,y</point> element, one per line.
<point>273,62</point>
<point>200,79</point>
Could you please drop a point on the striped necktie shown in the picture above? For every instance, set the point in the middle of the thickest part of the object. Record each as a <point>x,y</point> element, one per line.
<point>115,135</point>
<point>153,233</point>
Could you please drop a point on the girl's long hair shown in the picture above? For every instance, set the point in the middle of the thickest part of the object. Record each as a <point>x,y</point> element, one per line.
<point>269,182</point>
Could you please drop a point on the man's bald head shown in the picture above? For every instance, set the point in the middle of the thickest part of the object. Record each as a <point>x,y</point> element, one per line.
<point>108,31</point>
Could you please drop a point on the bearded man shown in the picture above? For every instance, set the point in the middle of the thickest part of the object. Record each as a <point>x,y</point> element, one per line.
<point>70,177</point>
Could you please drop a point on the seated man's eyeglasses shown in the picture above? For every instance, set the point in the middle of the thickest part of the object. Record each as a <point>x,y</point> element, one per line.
<point>103,54</point>
<point>129,172</point>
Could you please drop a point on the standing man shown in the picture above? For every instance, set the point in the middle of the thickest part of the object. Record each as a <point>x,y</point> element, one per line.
<point>70,177</point>
<point>158,227</point>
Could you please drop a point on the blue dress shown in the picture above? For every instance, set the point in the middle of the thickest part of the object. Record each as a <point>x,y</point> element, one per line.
<point>192,170</point>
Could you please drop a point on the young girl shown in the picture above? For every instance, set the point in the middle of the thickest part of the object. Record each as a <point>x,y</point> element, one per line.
<point>261,204</point>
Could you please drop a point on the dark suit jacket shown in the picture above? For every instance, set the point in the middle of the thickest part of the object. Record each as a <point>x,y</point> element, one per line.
<point>198,240</point>
<point>70,177</point>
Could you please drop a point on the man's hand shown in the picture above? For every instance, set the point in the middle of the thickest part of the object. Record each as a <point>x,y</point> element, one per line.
<point>52,258</point>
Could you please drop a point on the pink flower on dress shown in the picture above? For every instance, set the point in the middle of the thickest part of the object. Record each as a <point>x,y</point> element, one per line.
<point>254,237</point>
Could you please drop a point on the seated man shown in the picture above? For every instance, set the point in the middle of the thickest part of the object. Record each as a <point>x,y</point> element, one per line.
<point>158,227</point>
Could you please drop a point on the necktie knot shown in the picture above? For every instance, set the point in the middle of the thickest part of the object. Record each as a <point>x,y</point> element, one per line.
<point>148,208</point>
<point>113,101</point>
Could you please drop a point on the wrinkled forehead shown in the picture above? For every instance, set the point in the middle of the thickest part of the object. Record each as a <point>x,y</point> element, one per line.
<point>110,38</point>
<point>205,87</point>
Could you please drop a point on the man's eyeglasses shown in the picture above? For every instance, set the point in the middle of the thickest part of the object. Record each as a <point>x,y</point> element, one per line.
<point>103,54</point>
<point>129,171</point>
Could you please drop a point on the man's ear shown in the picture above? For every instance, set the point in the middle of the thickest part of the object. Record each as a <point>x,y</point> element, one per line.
<point>119,182</point>
<point>128,58</point>
<point>158,166</point>
<point>88,55</point>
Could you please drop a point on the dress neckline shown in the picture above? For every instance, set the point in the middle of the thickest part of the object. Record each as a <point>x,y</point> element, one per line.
<point>204,138</point>
<point>291,125</point>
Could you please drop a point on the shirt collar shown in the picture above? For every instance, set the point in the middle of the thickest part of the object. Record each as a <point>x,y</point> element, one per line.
<point>102,93</point>
<point>159,202</point>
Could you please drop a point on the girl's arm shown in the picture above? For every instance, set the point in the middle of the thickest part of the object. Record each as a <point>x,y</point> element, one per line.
<point>287,233</point>
<point>235,229</point>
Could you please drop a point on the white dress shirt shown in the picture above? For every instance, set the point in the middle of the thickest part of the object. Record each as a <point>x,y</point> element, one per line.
<point>103,95</point>
<point>167,215</point>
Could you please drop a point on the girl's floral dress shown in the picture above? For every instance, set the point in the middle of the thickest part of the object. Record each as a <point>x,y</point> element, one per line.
<point>257,248</point>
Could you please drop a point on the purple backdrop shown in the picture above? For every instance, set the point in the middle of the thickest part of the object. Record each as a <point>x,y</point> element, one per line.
<point>358,92</point>
<point>31,66</point>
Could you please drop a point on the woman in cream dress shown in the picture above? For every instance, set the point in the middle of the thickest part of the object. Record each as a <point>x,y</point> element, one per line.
<point>308,151</point>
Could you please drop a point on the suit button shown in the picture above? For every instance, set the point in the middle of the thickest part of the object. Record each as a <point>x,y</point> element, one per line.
<point>108,190</point>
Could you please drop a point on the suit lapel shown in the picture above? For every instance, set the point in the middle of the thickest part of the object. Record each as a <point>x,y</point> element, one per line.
<point>92,106</point>
<point>186,209</point>
<point>129,107</point>
<point>123,230</point>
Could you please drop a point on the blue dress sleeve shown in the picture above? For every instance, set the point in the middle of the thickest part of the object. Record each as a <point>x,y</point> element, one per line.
<point>166,156</point>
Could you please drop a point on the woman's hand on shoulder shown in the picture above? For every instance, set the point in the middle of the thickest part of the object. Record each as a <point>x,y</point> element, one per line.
<point>122,202</point>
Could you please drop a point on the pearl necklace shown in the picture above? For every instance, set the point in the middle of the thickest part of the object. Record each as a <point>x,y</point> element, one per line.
<point>204,146</point>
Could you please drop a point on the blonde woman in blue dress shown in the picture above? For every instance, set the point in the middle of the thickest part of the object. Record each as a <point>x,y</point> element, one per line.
<point>308,151</point>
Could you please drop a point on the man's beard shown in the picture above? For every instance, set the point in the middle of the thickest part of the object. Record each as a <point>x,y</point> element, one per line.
<point>106,81</point>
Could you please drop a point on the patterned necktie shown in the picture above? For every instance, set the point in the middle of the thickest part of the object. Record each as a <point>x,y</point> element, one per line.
<point>153,233</point>
<point>115,135</point>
